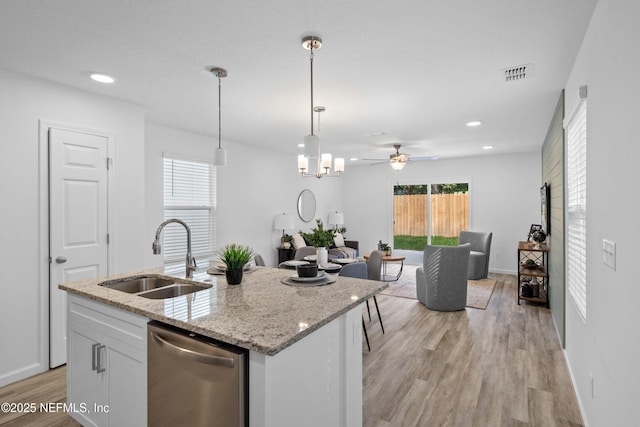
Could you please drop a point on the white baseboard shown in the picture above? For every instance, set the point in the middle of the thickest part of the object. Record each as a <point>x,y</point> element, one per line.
<point>21,373</point>
<point>499,271</point>
<point>583,413</point>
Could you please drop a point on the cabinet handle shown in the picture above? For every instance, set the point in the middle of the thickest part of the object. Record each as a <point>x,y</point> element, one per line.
<point>94,365</point>
<point>100,369</point>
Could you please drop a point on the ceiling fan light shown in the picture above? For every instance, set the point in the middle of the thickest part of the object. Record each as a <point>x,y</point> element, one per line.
<point>397,165</point>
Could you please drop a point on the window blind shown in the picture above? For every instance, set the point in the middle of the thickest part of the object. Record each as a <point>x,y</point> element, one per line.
<point>577,206</point>
<point>189,195</point>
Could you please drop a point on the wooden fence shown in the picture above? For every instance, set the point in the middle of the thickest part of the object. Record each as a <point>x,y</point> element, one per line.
<point>450,214</point>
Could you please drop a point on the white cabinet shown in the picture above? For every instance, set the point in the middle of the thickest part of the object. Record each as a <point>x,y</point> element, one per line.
<point>106,364</point>
<point>315,382</point>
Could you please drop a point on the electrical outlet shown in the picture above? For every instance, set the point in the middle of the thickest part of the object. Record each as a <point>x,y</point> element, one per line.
<point>609,253</point>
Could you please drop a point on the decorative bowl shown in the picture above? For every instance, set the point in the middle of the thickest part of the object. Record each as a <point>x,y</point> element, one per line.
<point>309,270</point>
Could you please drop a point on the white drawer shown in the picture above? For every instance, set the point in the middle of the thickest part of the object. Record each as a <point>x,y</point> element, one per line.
<point>122,325</point>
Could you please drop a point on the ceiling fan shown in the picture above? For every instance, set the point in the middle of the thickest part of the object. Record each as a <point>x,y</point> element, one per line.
<point>398,160</point>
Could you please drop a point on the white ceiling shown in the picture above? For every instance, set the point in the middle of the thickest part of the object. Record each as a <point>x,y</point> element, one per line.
<point>414,70</point>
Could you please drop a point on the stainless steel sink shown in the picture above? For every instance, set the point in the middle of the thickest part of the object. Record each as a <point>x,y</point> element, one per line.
<point>139,284</point>
<point>175,290</point>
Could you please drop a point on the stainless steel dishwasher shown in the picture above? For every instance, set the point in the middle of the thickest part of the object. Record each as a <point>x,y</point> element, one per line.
<point>194,380</point>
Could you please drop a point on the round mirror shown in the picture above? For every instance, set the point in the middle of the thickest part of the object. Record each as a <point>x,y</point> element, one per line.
<point>306,205</point>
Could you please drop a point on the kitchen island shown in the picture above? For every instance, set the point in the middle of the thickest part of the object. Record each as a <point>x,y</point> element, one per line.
<point>304,343</point>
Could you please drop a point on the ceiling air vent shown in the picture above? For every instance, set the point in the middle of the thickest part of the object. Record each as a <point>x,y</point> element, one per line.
<point>520,72</point>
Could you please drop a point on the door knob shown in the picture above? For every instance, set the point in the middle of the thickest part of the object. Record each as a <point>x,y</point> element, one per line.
<point>61,260</point>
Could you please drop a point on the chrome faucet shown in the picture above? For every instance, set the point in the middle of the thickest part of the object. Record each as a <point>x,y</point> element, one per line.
<point>157,249</point>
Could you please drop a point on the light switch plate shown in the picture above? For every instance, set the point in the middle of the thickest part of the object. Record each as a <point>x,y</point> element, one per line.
<point>609,253</point>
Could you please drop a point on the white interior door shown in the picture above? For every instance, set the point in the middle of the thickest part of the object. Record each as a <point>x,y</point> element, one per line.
<point>78,247</point>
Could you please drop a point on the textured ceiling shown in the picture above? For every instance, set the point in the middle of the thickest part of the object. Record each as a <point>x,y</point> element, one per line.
<point>408,71</point>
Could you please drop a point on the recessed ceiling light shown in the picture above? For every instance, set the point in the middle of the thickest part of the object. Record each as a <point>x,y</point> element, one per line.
<point>102,78</point>
<point>487,147</point>
<point>301,145</point>
<point>474,123</point>
<point>353,159</point>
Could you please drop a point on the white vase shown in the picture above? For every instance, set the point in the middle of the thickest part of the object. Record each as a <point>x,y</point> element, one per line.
<point>322,256</point>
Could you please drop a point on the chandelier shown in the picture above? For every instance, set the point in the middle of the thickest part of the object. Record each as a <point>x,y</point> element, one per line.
<point>311,141</point>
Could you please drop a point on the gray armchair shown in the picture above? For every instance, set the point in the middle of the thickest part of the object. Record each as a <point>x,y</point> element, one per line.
<point>479,255</point>
<point>441,283</point>
<point>304,251</point>
<point>259,260</point>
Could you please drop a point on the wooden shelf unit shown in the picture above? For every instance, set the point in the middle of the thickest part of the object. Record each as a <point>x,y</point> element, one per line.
<point>533,283</point>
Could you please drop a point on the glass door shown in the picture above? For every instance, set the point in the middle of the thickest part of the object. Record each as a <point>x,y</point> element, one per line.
<point>449,213</point>
<point>429,214</point>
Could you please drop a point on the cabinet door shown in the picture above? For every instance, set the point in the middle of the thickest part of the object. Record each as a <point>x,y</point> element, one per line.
<point>127,387</point>
<point>85,387</point>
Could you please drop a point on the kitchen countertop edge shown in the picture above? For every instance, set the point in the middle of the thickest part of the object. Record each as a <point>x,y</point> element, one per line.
<point>91,290</point>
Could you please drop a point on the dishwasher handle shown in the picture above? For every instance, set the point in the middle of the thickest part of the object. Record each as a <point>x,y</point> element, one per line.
<point>193,355</point>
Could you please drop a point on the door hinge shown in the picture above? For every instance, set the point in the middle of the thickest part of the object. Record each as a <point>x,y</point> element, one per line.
<point>109,162</point>
<point>107,238</point>
<point>50,260</point>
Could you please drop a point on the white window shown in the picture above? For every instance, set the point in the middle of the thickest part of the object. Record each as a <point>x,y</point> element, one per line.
<point>576,127</point>
<point>189,195</point>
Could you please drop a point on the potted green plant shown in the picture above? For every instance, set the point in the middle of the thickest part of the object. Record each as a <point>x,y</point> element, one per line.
<point>384,247</point>
<point>235,257</point>
<point>319,236</point>
<point>321,239</point>
<point>287,240</point>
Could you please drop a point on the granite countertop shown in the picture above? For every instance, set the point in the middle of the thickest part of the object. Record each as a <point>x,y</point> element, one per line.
<point>261,314</point>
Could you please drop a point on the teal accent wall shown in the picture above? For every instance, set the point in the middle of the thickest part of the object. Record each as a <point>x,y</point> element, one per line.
<point>553,174</point>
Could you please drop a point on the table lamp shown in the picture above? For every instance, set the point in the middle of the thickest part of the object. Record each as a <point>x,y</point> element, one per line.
<point>283,222</point>
<point>336,219</point>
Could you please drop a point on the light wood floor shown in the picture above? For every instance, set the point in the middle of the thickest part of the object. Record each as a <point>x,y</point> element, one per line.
<point>49,387</point>
<point>497,367</point>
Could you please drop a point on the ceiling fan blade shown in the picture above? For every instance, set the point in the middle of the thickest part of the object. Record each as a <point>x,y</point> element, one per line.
<point>425,158</point>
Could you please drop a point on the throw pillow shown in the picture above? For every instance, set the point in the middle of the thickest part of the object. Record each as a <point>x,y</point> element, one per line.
<point>298,241</point>
<point>338,240</point>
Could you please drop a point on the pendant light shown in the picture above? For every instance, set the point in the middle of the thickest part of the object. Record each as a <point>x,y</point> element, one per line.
<point>219,154</point>
<point>311,141</point>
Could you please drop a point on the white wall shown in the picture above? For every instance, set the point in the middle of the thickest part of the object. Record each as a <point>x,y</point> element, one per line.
<point>607,346</point>
<point>24,302</point>
<point>254,187</point>
<point>504,199</point>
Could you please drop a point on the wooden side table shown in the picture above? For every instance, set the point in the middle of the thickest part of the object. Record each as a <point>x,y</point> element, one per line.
<point>285,254</point>
<point>533,278</point>
<point>386,259</point>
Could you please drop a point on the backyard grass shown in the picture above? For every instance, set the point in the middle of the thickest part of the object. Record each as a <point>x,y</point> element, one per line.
<point>417,243</point>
